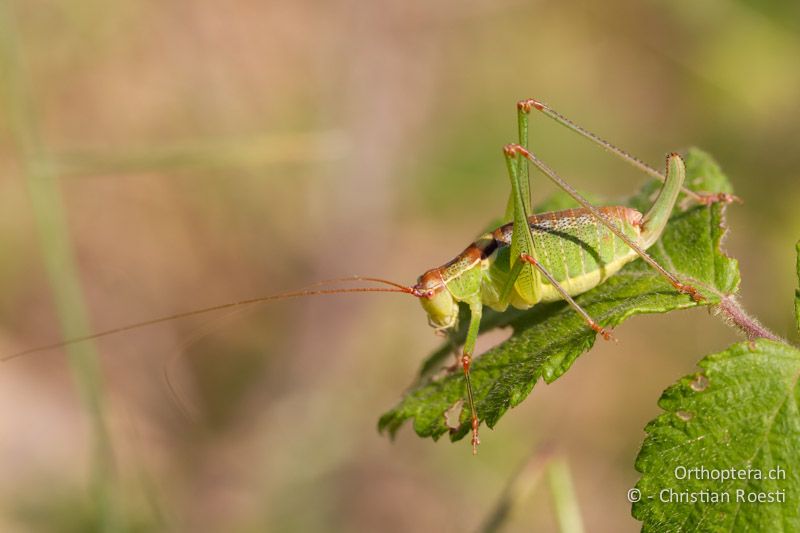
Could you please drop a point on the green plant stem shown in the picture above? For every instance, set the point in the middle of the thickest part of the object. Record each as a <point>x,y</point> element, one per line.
<point>517,490</point>
<point>564,498</point>
<point>51,222</point>
<point>521,484</point>
<point>202,155</point>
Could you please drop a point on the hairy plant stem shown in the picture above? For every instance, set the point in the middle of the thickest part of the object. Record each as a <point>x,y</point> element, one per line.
<point>735,315</point>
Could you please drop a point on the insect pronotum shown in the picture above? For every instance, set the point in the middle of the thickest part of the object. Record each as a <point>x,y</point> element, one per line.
<point>529,259</point>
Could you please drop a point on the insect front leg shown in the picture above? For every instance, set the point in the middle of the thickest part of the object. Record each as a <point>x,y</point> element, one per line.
<point>475,313</point>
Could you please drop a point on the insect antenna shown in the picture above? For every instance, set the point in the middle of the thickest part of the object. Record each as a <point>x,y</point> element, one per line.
<point>308,290</point>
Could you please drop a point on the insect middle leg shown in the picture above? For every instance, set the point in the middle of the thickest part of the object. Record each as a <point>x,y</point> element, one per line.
<point>524,277</point>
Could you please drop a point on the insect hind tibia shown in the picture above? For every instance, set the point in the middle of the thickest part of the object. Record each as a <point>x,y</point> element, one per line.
<point>700,198</point>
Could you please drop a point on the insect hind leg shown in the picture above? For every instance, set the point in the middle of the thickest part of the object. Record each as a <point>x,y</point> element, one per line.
<point>566,187</point>
<point>700,198</point>
<point>523,178</point>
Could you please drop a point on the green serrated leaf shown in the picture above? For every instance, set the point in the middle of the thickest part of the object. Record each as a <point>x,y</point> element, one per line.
<point>738,418</point>
<point>547,339</point>
<point>703,173</point>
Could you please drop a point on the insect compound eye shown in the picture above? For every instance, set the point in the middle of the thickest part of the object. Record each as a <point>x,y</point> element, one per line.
<point>424,292</point>
<point>429,284</point>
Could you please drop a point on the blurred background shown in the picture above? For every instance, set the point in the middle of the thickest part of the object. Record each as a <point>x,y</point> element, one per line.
<point>156,157</point>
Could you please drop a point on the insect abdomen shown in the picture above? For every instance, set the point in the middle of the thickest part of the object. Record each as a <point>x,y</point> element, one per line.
<point>577,249</point>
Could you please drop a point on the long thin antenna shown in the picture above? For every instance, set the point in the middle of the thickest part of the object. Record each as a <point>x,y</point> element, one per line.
<point>396,287</point>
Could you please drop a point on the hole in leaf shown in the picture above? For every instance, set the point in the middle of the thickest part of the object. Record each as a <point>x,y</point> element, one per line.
<point>699,384</point>
<point>452,417</point>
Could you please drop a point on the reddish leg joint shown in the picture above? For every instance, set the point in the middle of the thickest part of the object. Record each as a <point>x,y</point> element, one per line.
<point>513,149</point>
<point>466,360</point>
<point>602,331</point>
<point>691,291</point>
<point>713,198</point>
<point>528,104</point>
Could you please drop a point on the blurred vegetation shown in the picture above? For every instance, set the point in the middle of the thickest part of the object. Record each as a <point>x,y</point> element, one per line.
<point>206,154</point>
